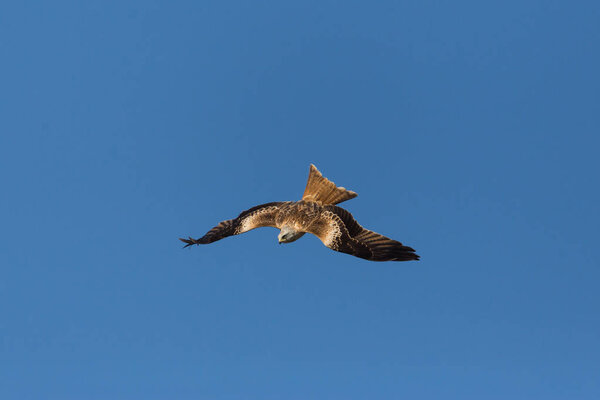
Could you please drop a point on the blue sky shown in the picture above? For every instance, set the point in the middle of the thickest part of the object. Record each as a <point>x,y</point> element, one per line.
<point>469,130</point>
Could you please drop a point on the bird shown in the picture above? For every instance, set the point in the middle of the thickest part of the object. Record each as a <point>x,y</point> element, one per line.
<point>318,214</point>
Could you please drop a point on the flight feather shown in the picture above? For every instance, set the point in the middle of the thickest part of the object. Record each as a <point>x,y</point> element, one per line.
<point>322,190</point>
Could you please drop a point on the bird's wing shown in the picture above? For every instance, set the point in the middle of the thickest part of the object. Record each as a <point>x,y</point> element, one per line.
<point>339,231</point>
<point>256,217</point>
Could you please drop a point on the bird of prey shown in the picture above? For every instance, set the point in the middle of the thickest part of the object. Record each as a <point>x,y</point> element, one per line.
<point>318,214</point>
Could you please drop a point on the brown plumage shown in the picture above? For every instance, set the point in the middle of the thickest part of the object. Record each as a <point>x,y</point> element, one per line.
<point>316,213</point>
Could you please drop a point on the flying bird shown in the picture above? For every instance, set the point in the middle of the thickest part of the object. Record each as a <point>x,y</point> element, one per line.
<point>318,214</point>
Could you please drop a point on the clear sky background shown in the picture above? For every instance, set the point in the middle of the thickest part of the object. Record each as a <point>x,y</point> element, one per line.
<point>469,129</point>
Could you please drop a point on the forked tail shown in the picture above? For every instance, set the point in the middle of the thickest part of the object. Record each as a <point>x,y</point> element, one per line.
<point>322,190</point>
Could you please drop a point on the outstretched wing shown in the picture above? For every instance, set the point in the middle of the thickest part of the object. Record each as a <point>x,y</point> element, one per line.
<point>339,231</point>
<point>256,217</point>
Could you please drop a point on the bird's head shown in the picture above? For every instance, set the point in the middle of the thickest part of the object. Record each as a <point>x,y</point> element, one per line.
<point>288,235</point>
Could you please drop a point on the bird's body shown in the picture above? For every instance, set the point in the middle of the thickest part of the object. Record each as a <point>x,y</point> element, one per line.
<point>316,213</point>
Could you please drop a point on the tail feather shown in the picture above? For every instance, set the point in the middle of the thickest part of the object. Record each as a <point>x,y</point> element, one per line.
<point>322,190</point>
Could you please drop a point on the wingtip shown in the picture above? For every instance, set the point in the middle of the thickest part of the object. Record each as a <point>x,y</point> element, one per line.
<point>412,256</point>
<point>188,242</point>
